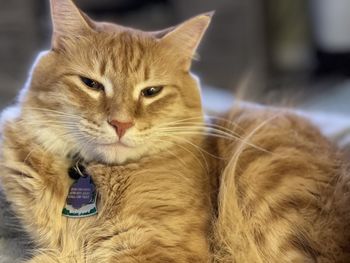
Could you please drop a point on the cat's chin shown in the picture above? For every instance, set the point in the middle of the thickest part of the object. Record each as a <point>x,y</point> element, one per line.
<point>117,145</point>
<point>115,153</point>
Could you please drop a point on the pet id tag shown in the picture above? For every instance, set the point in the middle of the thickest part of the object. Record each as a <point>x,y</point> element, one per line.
<point>81,199</point>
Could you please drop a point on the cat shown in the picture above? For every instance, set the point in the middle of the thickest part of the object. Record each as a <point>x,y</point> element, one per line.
<point>254,185</point>
<point>110,97</point>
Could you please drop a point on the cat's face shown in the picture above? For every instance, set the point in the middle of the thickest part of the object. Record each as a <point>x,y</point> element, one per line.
<point>114,94</point>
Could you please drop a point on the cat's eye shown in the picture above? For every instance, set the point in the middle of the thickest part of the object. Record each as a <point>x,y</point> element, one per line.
<point>151,91</point>
<point>93,84</point>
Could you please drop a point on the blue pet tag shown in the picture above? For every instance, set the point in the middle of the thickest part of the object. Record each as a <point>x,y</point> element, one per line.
<point>81,199</point>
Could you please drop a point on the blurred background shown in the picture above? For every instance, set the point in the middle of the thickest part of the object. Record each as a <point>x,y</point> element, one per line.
<point>294,49</point>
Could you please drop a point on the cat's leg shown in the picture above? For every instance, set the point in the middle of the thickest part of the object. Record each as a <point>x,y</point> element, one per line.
<point>150,251</point>
<point>133,240</point>
<point>36,187</point>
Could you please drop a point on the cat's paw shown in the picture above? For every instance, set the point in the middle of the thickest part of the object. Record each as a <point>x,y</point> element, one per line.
<point>15,176</point>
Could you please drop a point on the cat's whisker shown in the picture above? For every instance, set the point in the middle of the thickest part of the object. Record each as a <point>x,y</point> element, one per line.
<point>206,130</point>
<point>227,121</point>
<point>206,125</point>
<point>200,149</point>
<point>200,133</point>
<point>53,112</point>
<point>170,152</point>
<point>202,155</point>
<point>73,129</point>
<point>179,121</point>
<point>43,121</point>
<point>201,125</point>
<point>189,151</point>
<point>203,133</point>
<point>52,123</point>
<point>157,136</point>
<point>85,142</point>
<point>213,133</point>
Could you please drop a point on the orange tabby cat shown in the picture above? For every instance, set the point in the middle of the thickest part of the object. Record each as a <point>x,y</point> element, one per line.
<point>108,94</point>
<point>123,102</point>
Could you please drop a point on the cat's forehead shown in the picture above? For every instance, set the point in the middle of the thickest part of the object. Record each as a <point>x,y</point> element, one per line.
<point>116,34</point>
<point>119,53</point>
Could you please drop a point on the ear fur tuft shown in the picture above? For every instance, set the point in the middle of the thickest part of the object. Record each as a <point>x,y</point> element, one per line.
<point>67,20</point>
<point>189,34</point>
<point>186,37</point>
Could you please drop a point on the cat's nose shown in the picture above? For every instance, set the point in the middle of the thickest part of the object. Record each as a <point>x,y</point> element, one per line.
<point>121,127</point>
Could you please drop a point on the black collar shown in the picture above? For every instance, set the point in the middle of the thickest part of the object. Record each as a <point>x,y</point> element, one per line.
<point>77,171</point>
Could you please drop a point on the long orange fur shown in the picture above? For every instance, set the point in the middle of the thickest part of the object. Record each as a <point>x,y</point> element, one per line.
<point>256,185</point>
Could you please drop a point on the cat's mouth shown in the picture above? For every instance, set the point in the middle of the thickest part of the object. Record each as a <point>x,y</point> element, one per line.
<point>118,144</point>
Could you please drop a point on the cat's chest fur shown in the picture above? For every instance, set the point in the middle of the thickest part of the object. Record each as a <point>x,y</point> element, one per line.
<point>150,183</point>
<point>133,200</point>
<point>138,203</point>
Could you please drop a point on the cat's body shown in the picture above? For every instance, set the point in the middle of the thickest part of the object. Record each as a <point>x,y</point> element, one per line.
<point>124,102</point>
<point>149,211</point>
<point>284,194</point>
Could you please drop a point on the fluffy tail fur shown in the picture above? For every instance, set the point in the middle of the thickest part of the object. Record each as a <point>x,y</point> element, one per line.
<point>284,193</point>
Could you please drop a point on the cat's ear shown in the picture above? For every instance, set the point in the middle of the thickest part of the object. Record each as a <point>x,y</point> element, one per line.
<point>67,21</point>
<point>186,37</point>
